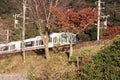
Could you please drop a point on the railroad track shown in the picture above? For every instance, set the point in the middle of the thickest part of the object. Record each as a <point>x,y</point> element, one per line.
<point>65,48</point>
<point>29,52</point>
<point>7,55</point>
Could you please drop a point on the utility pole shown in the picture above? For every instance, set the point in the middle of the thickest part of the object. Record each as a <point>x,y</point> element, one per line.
<point>23,30</point>
<point>23,26</point>
<point>98,23</point>
<point>99,18</point>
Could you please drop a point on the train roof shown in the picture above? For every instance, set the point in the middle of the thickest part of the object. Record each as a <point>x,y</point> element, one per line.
<point>30,39</point>
<point>58,34</point>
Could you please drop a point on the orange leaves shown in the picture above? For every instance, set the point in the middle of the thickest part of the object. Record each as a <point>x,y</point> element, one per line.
<point>61,18</point>
<point>75,21</point>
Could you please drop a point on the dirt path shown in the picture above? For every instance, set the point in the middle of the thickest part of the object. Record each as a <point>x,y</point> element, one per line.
<point>13,77</point>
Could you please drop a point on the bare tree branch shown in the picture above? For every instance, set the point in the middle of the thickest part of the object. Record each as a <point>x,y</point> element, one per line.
<point>41,11</point>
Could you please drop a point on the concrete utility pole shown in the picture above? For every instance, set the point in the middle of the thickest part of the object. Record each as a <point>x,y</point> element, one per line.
<point>98,23</point>
<point>23,29</point>
<point>23,26</point>
<point>99,17</point>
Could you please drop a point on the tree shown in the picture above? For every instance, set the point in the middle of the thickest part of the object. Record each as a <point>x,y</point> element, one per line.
<point>71,21</point>
<point>41,14</point>
<point>1,30</point>
<point>111,32</point>
<point>4,30</point>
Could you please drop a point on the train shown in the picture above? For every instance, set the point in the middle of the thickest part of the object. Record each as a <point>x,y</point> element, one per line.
<point>37,43</point>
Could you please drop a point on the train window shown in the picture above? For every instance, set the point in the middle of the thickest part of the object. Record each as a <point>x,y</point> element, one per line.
<point>39,42</point>
<point>50,39</point>
<point>64,38</point>
<point>55,40</point>
<point>4,48</point>
<point>12,47</point>
<point>74,39</point>
<point>29,44</point>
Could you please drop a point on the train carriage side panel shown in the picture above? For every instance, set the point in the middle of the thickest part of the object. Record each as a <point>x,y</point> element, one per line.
<point>15,46</point>
<point>18,46</point>
<point>3,48</point>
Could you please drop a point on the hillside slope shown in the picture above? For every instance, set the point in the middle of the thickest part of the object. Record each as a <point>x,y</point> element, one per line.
<point>57,67</point>
<point>104,66</point>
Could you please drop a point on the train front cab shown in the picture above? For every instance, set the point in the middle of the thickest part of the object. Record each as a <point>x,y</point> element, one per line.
<point>64,39</point>
<point>61,39</point>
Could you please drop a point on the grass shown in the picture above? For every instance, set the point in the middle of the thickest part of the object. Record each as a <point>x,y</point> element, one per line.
<point>87,52</point>
<point>37,65</point>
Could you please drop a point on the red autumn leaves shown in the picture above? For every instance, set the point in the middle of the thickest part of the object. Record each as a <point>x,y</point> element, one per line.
<point>75,21</point>
<point>111,32</point>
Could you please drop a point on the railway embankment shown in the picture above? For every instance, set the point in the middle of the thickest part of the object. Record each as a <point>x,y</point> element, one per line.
<point>36,66</point>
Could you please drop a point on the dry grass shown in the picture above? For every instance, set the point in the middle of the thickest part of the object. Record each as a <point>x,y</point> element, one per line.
<point>87,52</point>
<point>37,65</point>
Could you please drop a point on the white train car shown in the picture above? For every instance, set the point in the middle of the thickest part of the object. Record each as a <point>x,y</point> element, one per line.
<point>14,46</point>
<point>10,47</point>
<point>34,43</point>
<point>37,43</point>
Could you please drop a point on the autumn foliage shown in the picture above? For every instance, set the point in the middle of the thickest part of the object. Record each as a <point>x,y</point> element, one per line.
<point>75,21</point>
<point>111,32</point>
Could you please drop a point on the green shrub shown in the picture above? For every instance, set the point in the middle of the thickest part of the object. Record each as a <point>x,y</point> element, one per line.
<point>104,66</point>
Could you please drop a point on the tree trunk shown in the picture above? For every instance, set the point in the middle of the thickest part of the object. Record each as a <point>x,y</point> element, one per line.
<point>46,43</point>
<point>71,49</point>
<point>23,50</point>
<point>47,54</point>
<point>45,39</point>
<point>69,35</point>
<point>46,47</point>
